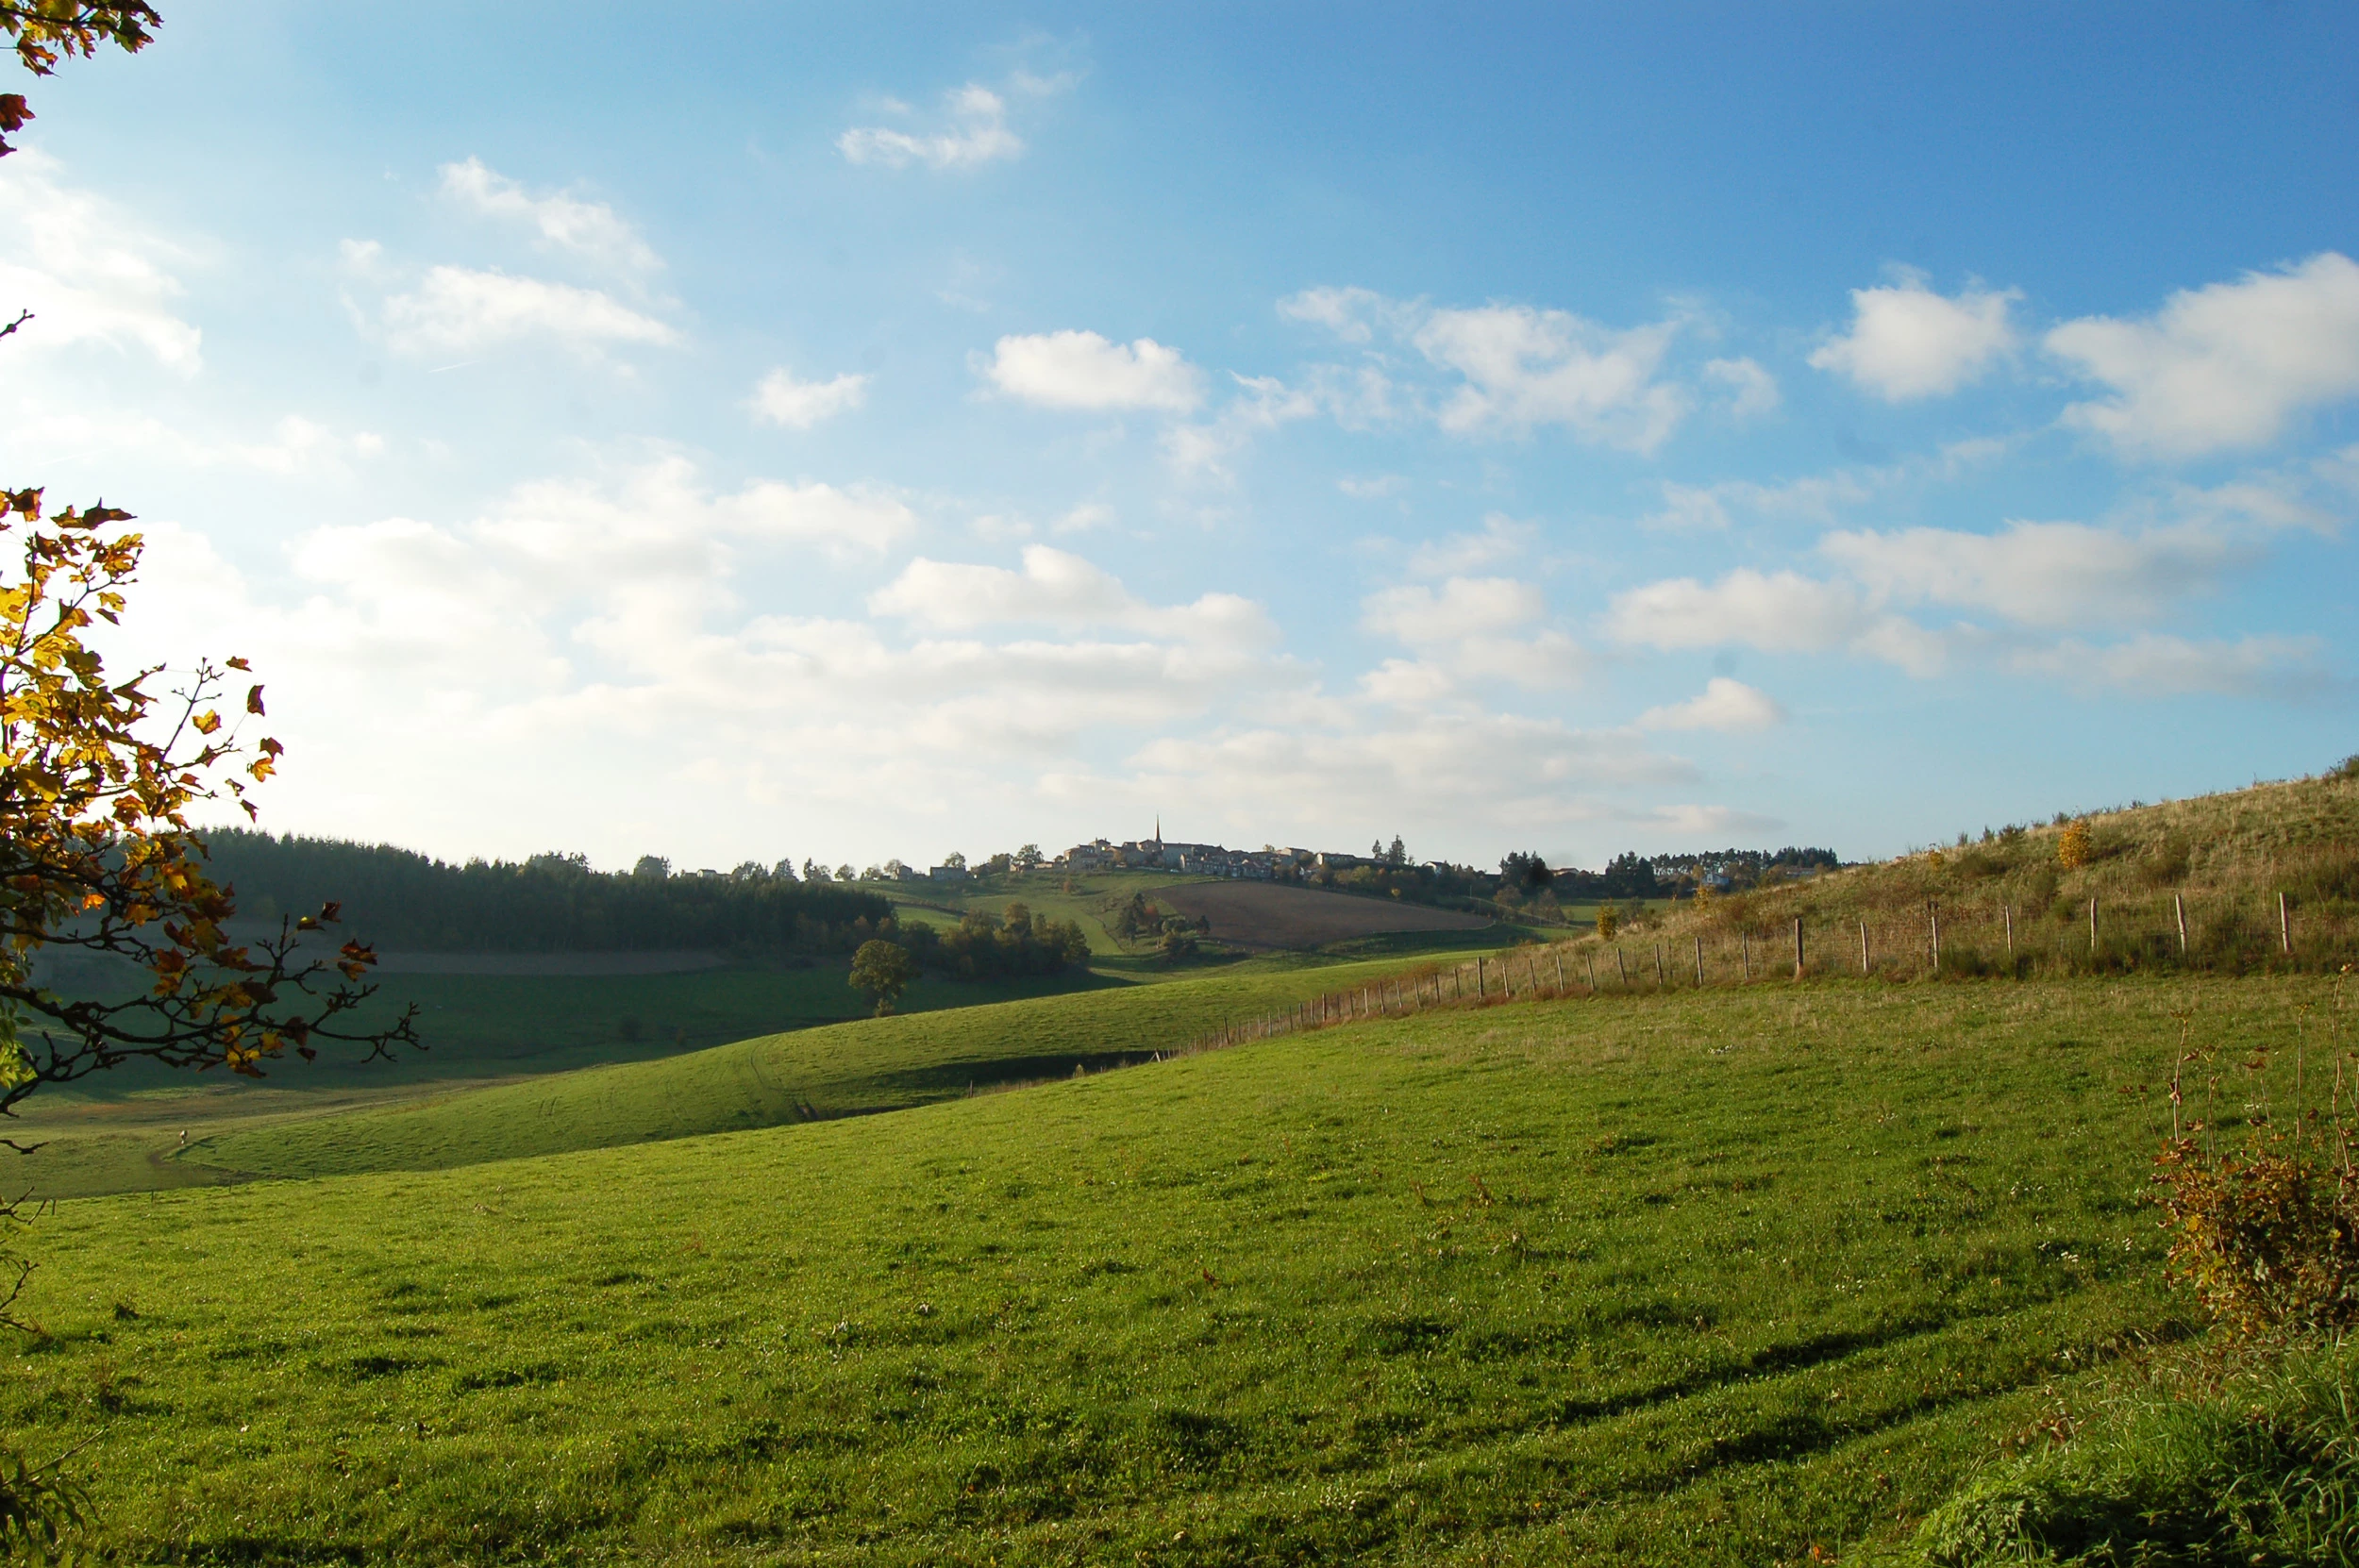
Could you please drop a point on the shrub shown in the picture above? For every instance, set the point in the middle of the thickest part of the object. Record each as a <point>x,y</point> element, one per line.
<point>1608,922</point>
<point>2268,1237</point>
<point>2073,846</point>
<point>2346,768</point>
<point>2260,1468</point>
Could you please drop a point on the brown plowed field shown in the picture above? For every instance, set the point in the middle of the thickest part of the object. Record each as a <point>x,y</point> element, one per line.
<point>1262,914</point>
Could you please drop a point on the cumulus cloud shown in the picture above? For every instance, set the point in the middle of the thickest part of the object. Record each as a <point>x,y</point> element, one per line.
<point>1346,313</point>
<point>794,404</point>
<point>1463,607</point>
<point>1260,404</point>
<point>976,133</point>
<point>1515,774</point>
<point>2053,575</point>
<point>1723,705</point>
<point>1907,342</point>
<point>2158,665</point>
<point>1466,629</point>
<point>1082,370</point>
<point>87,271</point>
<point>1523,368</point>
<point>1751,391</point>
<point>560,222</point>
<point>1514,368</point>
<point>2220,367</point>
<point>1501,538</point>
<point>1780,611</point>
<point>463,310</point>
<point>1059,589</point>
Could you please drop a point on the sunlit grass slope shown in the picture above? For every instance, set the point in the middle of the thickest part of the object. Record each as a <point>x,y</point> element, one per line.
<point>118,1131</point>
<point>845,1069</point>
<point>2226,856</point>
<point>1709,1278</point>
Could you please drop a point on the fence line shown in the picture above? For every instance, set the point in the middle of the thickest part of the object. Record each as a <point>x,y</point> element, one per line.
<point>1955,940</point>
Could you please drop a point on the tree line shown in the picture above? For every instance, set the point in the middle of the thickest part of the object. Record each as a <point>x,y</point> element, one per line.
<point>400,899</point>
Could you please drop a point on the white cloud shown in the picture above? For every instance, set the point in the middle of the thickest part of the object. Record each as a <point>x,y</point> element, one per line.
<point>1907,342</point>
<point>977,134</point>
<point>1464,606</point>
<point>1510,773</point>
<point>1523,368</point>
<point>1374,487</point>
<point>2220,367</point>
<point>1517,368</point>
<point>2155,665</point>
<point>1262,403</point>
<point>1344,312</point>
<point>1815,498</point>
<point>1782,611</point>
<point>1059,589</point>
<point>1502,538</point>
<point>588,229</point>
<point>799,405</point>
<point>2054,575</point>
<point>1464,631</point>
<point>88,272</point>
<point>462,310</point>
<point>1082,370</point>
<point>1752,391</point>
<point>1723,705</point>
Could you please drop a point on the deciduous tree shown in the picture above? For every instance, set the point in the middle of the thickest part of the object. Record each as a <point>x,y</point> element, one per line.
<point>883,969</point>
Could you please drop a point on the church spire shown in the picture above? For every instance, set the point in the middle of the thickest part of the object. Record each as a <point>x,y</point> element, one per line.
<point>1159,828</point>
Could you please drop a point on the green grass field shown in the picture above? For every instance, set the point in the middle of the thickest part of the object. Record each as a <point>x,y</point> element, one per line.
<point>119,1131</point>
<point>841,1070</point>
<point>1703,1278</point>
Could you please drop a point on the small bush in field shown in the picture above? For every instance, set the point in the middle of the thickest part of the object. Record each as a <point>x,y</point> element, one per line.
<point>2268,1237</point>
<point>2346,768</point>
<point>2073,848</point>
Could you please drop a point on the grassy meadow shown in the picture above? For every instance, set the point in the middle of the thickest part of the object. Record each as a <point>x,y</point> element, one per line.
<point>854,1069</point>
<point>121,1131</point>
<point>1736,1277</point>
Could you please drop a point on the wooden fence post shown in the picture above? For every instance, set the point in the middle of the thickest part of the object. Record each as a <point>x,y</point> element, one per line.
<point>1864,967</point>
<point>1620,965</point>
<point>1700,962</point>
<point>1481,985</point>
<point>2092,928</point>
<point>1593,972</point>
<point>1798,947</point>
<point>1658,966</point>
<point>1745,951</point>
<point>1559,956</point>
<point>2007,913</point>
<point>1933,917</point>
<point>2284,928</point>
<point>2179,907</point>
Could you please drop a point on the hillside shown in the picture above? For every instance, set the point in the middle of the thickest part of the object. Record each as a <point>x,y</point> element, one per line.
<point>1722,1279</point>
<point>839,1070</point>
<point>2225,858</point>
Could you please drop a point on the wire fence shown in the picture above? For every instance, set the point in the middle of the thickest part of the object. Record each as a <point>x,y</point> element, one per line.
<point>2159,933</point>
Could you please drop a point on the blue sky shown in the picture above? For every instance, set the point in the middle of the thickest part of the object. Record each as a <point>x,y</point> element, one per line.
<point>889,430</point>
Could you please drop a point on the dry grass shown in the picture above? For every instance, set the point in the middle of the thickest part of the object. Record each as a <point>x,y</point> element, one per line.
<point>2223,860</point>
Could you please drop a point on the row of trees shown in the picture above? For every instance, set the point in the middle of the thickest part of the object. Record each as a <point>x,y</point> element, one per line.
<point>983,947</point>
<point>550,902</point>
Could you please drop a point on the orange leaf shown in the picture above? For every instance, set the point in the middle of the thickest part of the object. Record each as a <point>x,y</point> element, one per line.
<point>207,722</point>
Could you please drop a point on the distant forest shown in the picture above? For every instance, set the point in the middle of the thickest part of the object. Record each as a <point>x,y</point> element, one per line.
<point>399,900</point>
